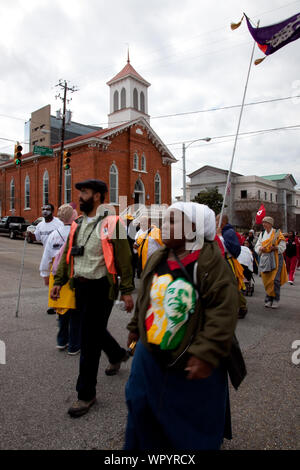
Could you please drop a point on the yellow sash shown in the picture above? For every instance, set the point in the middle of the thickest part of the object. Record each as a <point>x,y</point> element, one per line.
<point>155,234</point>
<point>66,300</point>
<point>269,277</point>
<point>238,271</point>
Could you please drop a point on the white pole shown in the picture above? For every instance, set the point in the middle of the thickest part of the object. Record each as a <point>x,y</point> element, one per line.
<point>237,133</point>
<point>21,275</point>
<point>184,172</point>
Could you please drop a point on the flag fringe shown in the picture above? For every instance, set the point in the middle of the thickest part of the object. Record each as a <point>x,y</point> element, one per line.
<point>259,61</point>
<point>236,25</point>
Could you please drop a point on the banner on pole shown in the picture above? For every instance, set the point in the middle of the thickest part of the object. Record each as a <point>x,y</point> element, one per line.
<point>261,213</point>
<point>272,38</point>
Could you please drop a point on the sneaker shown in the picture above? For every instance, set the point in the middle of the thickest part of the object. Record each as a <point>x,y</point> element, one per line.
<point>73,353</point>
<point>242,312</point>
<point>80,407</point>
<point>61,348</point>
<point>291,283</point>
<point>275,304</point>
<point>113,369</point>
<point>51,311</point>
<point>268,304</point>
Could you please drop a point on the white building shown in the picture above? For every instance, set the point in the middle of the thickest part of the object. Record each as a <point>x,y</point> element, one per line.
<point>247,193</point>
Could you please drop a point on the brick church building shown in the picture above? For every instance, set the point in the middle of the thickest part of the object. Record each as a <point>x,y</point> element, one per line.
<point>128,155</point>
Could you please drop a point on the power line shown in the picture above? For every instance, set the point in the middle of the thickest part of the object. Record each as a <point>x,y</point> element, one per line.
<point>259,131</point>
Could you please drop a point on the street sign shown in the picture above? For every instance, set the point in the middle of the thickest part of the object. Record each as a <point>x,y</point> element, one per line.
<point>44,151</point>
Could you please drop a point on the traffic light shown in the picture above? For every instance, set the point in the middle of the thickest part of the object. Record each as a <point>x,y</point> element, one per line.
<point>67,159</point>
<point>18,154</point>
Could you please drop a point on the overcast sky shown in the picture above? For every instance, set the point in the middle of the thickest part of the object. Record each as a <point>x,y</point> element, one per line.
<point>188,53</point>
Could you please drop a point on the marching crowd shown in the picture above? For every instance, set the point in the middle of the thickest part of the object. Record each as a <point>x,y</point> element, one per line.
<point>195,273</point>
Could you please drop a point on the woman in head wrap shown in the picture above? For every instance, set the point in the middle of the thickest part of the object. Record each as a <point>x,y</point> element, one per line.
<point>69,321</point>
<point>185,317</point>
<point>270,247</point>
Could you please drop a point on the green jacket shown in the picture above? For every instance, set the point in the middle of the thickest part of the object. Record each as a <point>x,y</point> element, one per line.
<point>122,262</point>
<point>210,330</point>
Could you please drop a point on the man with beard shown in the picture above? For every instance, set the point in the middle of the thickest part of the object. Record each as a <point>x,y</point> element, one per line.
<point>43,230</point>
<point>96,253</point>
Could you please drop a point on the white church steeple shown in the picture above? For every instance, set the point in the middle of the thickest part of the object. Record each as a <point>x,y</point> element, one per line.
<point>128,96</point>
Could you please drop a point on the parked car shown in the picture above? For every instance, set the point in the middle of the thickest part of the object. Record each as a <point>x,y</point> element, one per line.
<point>31,229</point>
<point>14,226</point>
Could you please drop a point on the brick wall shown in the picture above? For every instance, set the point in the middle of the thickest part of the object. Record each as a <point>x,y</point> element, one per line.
<point>88,162</point>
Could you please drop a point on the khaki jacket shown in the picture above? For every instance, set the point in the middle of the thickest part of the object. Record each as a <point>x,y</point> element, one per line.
<point>211,328</point>
<point>122,259</point>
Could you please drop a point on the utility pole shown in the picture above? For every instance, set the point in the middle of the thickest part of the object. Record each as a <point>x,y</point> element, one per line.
<point>64,85</point>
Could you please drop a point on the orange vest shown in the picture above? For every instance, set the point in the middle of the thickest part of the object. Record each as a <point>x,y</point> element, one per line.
<point>107,229</point>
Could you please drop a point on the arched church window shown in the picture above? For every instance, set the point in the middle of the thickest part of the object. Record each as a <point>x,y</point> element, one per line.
<point>157,189</point>
<point>12,194</point>
<point>68,186</point>
<point>142,101</point>
<point>113,184</point>
<point>27,192</point>
<point>135,99</point>
<point>135,161</point>
<point>123,98</point>
<point>143,163</point>
<point>116,100</point>
<point>45,188</point>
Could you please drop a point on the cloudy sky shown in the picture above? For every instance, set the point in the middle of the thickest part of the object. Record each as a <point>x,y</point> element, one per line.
<point>186,50</point>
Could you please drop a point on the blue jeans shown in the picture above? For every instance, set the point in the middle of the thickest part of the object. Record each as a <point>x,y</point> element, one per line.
<point>69,330</point>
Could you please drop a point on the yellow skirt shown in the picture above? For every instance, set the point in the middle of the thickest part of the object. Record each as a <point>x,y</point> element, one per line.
<point>66,300</point>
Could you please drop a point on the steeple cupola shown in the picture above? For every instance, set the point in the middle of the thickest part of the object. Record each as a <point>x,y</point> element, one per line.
<point>128,96</point>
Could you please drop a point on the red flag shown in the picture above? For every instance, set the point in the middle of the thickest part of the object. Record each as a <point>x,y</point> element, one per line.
<point>261,213</point>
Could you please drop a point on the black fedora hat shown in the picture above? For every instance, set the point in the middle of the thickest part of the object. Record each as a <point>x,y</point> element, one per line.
<point>97,185</point>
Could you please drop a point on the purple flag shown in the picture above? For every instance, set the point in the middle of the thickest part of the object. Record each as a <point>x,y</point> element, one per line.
<point>271,38</point>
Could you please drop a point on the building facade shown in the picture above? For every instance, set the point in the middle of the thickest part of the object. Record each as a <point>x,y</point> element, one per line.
<point>130,157</point>
<point>247,193</point>
<point>43,129</point>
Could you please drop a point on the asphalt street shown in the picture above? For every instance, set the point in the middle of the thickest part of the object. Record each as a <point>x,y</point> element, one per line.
<point>37,382</point>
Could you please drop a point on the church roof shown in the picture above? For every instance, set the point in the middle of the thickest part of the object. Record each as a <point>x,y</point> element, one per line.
<point>128,71</point>
<point>103,135</point>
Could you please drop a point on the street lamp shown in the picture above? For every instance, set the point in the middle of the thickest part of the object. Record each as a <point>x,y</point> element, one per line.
<point>184,147</point>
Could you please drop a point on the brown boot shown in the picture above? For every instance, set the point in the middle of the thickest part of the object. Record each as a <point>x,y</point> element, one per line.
<point>80,407</point>
<point>113,369</point>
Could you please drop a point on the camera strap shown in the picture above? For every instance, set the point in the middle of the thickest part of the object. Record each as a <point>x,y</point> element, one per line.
<point>94,226</point>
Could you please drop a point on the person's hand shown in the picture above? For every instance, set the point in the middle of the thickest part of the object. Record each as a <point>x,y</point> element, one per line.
<point>55,292</point>
<point>274,248</point>
<point>128,302</point>
<point>132,337</point>
<point>219,231</point>
<point>46,281</point>
<point>198,369</point>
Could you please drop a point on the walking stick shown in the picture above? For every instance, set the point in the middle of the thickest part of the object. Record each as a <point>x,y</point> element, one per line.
<point>21,275</point>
